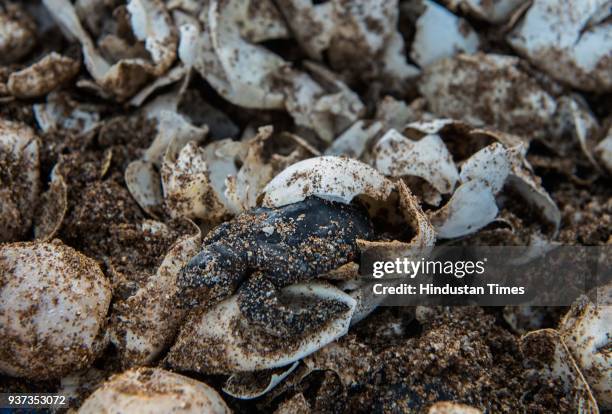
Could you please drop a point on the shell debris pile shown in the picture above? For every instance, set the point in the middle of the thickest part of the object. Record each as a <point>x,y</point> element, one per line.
<point>187,188</point>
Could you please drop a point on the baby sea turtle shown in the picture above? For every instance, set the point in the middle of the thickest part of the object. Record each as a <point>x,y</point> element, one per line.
<point>266,249</point>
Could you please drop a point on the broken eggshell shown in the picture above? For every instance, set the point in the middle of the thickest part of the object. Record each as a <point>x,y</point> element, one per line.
<point>153,390</point>
<point>150,24</point>
<point>491,90</point>
<point>329,177</point>
<point>142,176</point>
<point>438,33</point>
<point>571,40</point>
<point>19,178</point>
<point>585,330</point>
<point>53,307</point>
<point>233,345</point>
<point>247,386</point>
<point>428,158</point>
<point>145,323</point>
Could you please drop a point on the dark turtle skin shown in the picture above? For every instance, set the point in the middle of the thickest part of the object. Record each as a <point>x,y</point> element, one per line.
<point>263,250</point>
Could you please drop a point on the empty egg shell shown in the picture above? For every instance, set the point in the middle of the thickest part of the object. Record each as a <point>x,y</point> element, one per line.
<point>586,332</point>
<point>53,310</point>
<point>488,89</point>
<point>571,40</point>
<point>152,391</point>
<point>19,179</point>
<point>232,345</point>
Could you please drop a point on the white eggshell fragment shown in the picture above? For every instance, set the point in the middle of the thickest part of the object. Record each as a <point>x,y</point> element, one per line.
<point>490,164</point>
<point>150,24</point>
<point>353,141</point>
<point>153,391</point>
<point>586,330</point>
<point>329,177</point>
<point>488,89</point>
<point>219,340</point>
<point>19,181</point>
<point>471,207</point>
<point>571,40</point>
<point>428,158</point>
<point>53,306</point>
<point>440,34</point>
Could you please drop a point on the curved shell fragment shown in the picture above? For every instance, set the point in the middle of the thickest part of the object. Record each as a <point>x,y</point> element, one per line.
<point>428,158</point>
<point>247,386</point>
<point>571,40</point>
<point>234,346</point>
<point>147,321</point>
<point>488,89</point>
<point>471,207</point>
<point>150,24</point>
<point>440,34</point>
<point>333,178</point>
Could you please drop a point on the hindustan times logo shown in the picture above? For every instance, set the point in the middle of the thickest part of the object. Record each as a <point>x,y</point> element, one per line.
<point>413,268</point>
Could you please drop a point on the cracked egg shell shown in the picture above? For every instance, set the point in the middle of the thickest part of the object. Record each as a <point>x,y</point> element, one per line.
<point>53,307</point>
<point>488,89</point>
<point>145,324</point>
<point>440,34</point>
<point>153,391</point>
<point>329,177</point>
<point>571,40</point>
<point>428,158</point>
<point>19,178</point>
<point>43,76</point>
<point>219,340</point>
<point>586,332</point>
<point>150,23</point>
